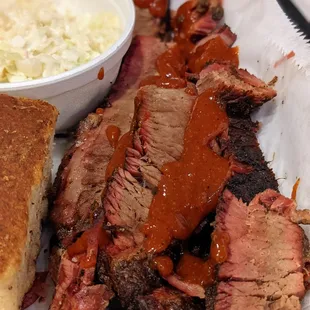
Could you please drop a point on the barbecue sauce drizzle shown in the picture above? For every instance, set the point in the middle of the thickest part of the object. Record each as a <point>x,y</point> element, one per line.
<point>157,8</point>
<point>189,188</point>
<point>213,50</point>
<point>197,271</point>
<point>295,189</point>
<point>183,56</point>
<point>118,158</point>
<point>113,133</point>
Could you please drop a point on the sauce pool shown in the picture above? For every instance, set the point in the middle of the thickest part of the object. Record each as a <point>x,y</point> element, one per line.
<point>194,270</point>
<point>197,271</point>
<point>171,68</point>
<point>113,134</point>
<point>213,50</point>
<point>157,8</point>
<point>96,233</point>
<point>164,265</point>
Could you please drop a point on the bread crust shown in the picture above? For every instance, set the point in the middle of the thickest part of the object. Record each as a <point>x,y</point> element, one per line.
<point>26,131</point>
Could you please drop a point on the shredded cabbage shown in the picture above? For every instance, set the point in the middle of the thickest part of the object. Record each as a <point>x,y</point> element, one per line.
<point>39,39</point>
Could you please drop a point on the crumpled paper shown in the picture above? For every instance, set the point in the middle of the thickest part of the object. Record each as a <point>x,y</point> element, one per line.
<point>264,35</point>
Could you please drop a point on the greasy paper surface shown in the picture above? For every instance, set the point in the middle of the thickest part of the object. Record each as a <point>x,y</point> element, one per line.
<point>264,36</point>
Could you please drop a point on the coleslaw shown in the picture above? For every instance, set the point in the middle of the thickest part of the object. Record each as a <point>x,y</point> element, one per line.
<point>39,39</point>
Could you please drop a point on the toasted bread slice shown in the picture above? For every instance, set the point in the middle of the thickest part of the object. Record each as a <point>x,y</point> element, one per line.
<point>26,136</point>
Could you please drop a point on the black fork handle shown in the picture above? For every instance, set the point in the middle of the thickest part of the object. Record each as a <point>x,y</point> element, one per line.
<point>295,16</point>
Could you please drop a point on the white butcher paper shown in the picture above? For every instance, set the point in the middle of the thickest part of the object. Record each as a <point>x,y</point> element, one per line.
<point>265,35</point>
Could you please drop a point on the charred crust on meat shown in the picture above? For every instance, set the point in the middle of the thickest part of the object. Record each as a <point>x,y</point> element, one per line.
<point>210,296</point>
<point>217,13</point>
<point>133,278</point>
<point>203,6</point>
<point>165,32</point>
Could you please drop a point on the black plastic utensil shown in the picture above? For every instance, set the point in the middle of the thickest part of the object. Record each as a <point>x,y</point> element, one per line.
<point>295,16</point>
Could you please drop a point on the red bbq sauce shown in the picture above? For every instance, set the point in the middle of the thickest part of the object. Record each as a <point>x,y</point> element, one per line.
<point>189,188</point>
<point>185,18</point>
<point>101,74</point>
<point>100,111</point>
<point>118,158</point>
<point>219,247</point>
<point>173,63</point>
<point>164,265</point>
<point>157,8</point>
<point>171,68</point>
<point>213,50</point>
<point>113,133</point>
<point>295,189</point>
<point>85,248</point>
<point>163,82</point>
<point>197,271</point>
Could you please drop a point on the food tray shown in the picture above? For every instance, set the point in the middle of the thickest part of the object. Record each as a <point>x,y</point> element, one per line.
<point>264,36</point>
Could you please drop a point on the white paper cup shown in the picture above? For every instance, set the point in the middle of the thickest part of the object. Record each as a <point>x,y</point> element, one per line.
<point>77,92</point>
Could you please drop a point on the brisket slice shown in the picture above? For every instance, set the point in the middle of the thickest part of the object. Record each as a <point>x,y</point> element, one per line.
<point>235,85</point>
<point>75,289</point>
<point>265,261</point>
<point>242,146</point>
<point>241,92</point>
<point>126,208</point>
<point>162,116</point>
<point>81,178</point>
<point>224,33</point>
<point>129,273</point>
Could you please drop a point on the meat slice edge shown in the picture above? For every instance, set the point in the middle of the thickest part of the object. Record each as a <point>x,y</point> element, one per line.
<point>265,261</point>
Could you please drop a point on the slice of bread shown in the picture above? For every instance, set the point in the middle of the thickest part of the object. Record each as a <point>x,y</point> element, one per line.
<point>26,137</point>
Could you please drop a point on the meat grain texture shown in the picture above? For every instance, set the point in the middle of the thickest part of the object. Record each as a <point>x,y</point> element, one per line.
<point>80,180</point>
<point>264,268</point>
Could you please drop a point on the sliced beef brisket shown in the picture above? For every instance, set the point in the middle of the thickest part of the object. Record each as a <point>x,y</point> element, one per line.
<point>235,85</point>
<point>81,178</point>
<point>126,202</point>
<point>162,116</point>
<point>75,293</point>
<point>224,33</point>
<point>126,205</point>
<point>242,146</point>
<point>264,265</point>
<point>132,275</point>
<point>160,122</point>
<point>251,174</point>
